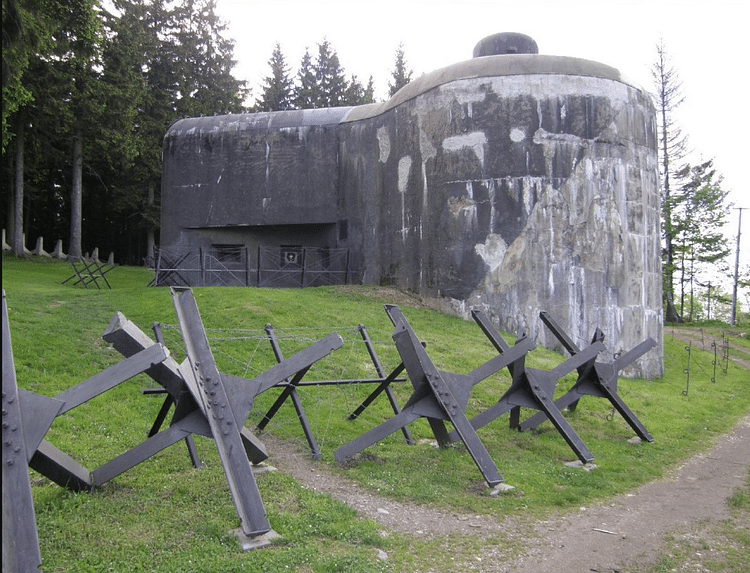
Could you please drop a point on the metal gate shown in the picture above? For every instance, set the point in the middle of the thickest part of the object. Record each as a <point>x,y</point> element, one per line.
<point>299,267</point>
<point>290,266</point>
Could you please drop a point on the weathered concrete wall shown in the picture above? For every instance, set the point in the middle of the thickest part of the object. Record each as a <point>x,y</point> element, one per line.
<point>516,194</point>
<point>227,178</point>
<point>510,183</point>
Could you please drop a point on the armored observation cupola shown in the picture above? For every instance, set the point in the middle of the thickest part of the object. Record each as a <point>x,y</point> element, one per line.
<point>505,43</point>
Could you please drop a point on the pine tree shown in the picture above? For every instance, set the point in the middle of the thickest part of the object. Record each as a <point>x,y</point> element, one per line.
<point>306,88</point>
<point>330,77</point>
<point>401,76</point>
<point>357,94</point>
<point>177,63</point>
<point>278,87</point>
<point>699,220</point>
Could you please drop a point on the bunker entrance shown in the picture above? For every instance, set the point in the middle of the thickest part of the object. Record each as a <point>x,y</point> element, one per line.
<point>283,256</point>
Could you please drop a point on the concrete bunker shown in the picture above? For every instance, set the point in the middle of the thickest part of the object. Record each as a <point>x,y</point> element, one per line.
<point>511,182</point>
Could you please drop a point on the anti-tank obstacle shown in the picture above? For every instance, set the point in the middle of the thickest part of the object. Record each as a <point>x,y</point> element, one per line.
<point>215,405</point>
<point>208,403</point>
<point>443,396</point>
<point>26,419</point>
<point>534,389</point>
<point>20,537</point>
<point>224,403</point>
<point>597,379</point>
<point>290,387</point>
<point>438,396</point>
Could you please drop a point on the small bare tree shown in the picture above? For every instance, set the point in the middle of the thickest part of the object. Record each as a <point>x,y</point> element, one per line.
<point>673,149</point>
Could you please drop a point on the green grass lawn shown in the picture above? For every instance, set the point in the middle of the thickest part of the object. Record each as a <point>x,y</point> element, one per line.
<point>163,515</point>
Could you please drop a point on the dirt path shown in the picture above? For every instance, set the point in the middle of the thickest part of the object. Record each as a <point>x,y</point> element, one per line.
<point>698,490</point>
<point>601,538</point>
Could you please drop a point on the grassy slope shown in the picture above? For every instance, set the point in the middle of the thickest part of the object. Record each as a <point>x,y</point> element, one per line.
<point>165,516</point>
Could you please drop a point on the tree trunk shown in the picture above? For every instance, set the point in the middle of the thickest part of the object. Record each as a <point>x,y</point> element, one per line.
<point>16,245</point>
<point>150,234</point>
<point>76,198</point>
<point>670,311</point>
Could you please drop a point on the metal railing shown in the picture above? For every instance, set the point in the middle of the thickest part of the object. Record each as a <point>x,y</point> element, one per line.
<point>273,267</point>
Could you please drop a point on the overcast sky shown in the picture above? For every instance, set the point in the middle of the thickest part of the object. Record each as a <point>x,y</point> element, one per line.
<point>707,42</point>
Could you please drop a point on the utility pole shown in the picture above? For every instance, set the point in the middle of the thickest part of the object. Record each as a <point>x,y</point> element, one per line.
<point>736,269</point>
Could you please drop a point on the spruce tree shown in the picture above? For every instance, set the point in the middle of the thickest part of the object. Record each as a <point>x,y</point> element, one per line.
<point>178,63</point>
<point>277,90</point>
<point>401,76</point>
<point>69,100</point>
<point>306,88</point>
<point>204,61</point>
<point>357,94</point>
<point>330,77</point>
<point>107,81</point>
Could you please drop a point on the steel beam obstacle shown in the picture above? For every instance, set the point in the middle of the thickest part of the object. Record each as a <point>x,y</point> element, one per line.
<point>26,419</point>
<point>20,537</point>
<point>598,379</point>
<point>290,387</point>
<point>438,396</point>
<point>226,400</point>
<point>534,389</point>
<point>208,403</point>
<point>128,339</point>
<point>39,413</point>
<point>216,405</point>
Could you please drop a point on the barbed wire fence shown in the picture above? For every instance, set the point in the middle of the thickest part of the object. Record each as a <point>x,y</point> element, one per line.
<point>697,361</point>
<point>327,405</point>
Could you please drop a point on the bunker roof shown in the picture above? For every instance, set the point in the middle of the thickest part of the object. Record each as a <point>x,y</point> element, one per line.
<point>479,67</point>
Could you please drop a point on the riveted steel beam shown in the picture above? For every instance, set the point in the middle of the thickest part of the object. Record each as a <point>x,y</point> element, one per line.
<point>20,538</point>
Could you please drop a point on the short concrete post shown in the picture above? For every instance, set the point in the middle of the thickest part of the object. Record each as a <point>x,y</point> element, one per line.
<point>39,250</point>
<point>58,252</point>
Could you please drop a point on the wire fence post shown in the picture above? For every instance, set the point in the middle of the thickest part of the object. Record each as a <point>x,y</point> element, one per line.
<point>725,350</point>
<point>715,360</point>
<point>202,266</point>
<point>689,349</point>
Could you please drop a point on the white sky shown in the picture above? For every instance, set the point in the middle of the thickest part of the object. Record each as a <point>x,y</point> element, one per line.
<point>706,40</point>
